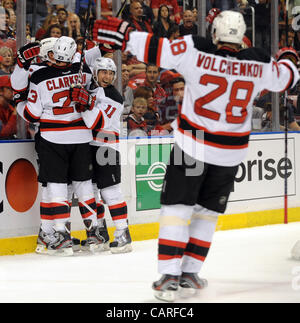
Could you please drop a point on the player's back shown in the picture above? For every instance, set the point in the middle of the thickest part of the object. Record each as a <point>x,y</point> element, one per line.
<point>50,89</point>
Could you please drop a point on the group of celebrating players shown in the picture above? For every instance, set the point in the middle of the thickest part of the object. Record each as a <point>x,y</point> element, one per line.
<point>78,129</point>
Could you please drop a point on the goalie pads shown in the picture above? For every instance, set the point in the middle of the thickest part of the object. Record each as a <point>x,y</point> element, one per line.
<point>112,31</point>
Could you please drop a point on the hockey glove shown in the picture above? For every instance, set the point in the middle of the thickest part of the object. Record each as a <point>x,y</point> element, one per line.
<point>82,96</point>
<point>288,53</point>
<point>20,96</point>
<point>112,31</point>
<point>27,53</point>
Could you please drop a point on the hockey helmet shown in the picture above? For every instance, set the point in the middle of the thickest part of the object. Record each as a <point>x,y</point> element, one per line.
<point>47,46</point>
<point>64,49</point>
<point>106,64</point>
<point>229,27</point>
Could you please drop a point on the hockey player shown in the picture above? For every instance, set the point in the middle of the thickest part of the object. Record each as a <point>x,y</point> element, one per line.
<point>64,151</point>
<point>106,155</point>
<point>211,133</point>
<point>21,78</point>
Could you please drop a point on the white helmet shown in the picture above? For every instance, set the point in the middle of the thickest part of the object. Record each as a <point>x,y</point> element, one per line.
<point>229,27</point>
<point>104,63</point>
<point>47,46</point>
<point>64,49</point>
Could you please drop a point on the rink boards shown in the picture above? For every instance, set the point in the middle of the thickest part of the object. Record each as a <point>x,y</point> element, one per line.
<point>257,197</point>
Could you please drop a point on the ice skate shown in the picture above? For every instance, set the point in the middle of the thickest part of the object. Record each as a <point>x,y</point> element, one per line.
<point>166,288</point>
<point>43,241</point>
<point>62,244</point>
<point>75,244</point>
<point>190,283</point>
<point>122,242</point>
<point>97,238</point>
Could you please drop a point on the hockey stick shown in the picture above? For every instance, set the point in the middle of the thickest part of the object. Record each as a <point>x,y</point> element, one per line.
<point>86,33</point>
<point>286,126</point>
<point>121,9</point>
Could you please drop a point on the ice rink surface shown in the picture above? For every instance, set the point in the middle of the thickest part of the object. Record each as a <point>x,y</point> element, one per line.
<point>247,265</point>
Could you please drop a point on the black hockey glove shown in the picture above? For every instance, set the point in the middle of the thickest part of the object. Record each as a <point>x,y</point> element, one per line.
<point>20,96</point>
<point>27,53</point>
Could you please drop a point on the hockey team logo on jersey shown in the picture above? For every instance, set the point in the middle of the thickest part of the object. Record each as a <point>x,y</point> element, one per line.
<point>151,164</point>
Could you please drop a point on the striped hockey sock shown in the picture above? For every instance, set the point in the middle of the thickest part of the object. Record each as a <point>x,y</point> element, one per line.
<point>88,210</point>
<point>118,214</point>
<point>201,233</point>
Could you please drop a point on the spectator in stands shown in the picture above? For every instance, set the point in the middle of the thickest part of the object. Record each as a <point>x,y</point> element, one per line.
<point>73,23</point>
<point>188,25</point>
<point>136,124</point>
<point>265,102</point>
<point>178,89</point>
<point>137,74</point>
<point>173,9</point>
<point>173,84</point>
<point>8,115</point>
<point>151,81</point>
<point>8,4</point>
<point>4,24</point>
<point>28,32</point>
<point>147,12</point>
<point>163,23</point>
<point>6,37</point>
<point>7,61</point>
<point>127,91</point>
<point>136,18</point>
<point>12,22</point>
<point>151,116</point>
<point>50,20</point>
<point>106,8</point>
<point>195,14</point>
<point>54,31</point>
<point>291,38</point>
<point>62,16</point>
<point>173,32</point>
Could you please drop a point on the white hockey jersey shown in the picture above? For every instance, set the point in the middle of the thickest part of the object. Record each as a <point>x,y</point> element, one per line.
<point>214,124</point>
<point>49,104</point>
<point>20,77</point>
<point>105,118</point>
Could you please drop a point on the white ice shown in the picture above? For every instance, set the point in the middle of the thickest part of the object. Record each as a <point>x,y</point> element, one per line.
<point>246,265</point>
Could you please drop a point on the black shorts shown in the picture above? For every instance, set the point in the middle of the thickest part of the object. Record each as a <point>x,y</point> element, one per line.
<point>106,166</point>
<point>209,188</point>
<point>64,163</point>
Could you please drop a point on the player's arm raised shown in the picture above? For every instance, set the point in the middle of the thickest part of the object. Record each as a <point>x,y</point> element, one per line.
<point>145,46</point>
